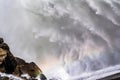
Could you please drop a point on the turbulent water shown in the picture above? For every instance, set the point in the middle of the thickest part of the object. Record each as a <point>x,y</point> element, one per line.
<point>68,37</point>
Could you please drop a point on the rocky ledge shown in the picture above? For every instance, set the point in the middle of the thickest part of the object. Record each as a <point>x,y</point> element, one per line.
<point>15,68</point>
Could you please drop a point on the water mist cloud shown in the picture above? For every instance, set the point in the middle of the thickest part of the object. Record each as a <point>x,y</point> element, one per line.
<point>77,26</point>
<point>77,33</point>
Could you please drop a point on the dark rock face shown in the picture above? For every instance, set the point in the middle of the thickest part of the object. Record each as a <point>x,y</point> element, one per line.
<point>1,40</point>
<point>17,66</point>
<point>9,63</point>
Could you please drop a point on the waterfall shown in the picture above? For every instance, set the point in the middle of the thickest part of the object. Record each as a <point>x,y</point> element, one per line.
<point>74,36</point>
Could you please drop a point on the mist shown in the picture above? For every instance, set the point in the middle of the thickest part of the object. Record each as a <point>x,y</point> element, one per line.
<point>77,35</point>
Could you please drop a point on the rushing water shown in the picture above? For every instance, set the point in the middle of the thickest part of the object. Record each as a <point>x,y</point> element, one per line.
<point>65,36</point>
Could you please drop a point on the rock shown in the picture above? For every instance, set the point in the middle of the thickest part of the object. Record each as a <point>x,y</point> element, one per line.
<point>17,66</point>
<point>20,61</point>
<point>1,40</point>
<point>42,77</point>
<point>31,68</point>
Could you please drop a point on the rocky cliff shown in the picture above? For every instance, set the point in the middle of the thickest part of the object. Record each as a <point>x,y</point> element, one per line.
<point>11,66</point>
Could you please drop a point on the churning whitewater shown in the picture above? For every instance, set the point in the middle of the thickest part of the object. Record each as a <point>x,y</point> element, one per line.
<point>66,38</point>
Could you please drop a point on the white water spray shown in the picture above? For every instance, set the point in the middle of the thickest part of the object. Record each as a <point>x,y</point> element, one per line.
<point>79,35</point>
